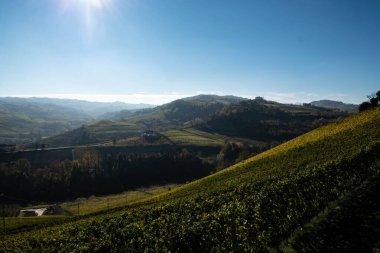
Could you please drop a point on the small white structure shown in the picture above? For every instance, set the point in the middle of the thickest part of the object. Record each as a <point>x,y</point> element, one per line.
<point>48,210</point>
<point>33,212</point>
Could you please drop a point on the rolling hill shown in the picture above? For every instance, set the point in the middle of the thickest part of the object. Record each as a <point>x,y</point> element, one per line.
<point>258,120</point>
<point>178,112</point>
<point>27,121</point>
<point>275,201</point>
<point>168,116</point>
<point>90,108</point>
<point>330,104</point>
<point>24,120</point>
<point>267,121</point>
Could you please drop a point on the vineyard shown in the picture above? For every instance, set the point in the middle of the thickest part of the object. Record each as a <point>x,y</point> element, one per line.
<point>279,200</point>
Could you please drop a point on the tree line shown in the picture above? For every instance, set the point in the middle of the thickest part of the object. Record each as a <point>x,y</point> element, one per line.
<point>266,121</point>
<point>97,174</point>
<point>373,101</point>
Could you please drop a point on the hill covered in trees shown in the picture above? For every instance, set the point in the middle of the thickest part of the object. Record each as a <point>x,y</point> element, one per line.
<point>267,121</point>
<point>256,119</point>
<point>289,198</point>
<point>331,104</point>
<point>177,113</point>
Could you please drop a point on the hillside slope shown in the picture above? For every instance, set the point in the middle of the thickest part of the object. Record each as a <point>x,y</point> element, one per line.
<point>126,124</point>
<point>331,104</point>
<point>257,120</point>
<point>268,121</point>
<point>90,108</point>
<point>254,206</point>
<point>22,122</point>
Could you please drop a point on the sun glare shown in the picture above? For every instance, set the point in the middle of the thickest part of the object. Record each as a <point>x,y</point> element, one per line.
<point>94,3</point>
<point>89,11</point>
<point>85,4</point>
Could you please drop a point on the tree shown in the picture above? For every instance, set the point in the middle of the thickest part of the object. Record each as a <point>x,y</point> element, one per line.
<point>374,101</point>
<point>24,167</point>
<point>229,152</point>
<point>364,106</point>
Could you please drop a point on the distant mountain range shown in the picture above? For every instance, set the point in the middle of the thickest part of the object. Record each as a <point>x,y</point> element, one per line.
<point>330,104</point>
<point>24,120</point>
<point>92,109</point>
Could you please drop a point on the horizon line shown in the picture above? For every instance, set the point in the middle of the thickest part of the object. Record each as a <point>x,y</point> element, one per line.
<point>163,98</point>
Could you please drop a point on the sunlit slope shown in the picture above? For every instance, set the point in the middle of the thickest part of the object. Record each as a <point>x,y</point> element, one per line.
<point>345,138</point>
<point>252,206</point>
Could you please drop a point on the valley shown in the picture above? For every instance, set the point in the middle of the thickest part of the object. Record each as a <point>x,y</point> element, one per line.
<point>177,142</point>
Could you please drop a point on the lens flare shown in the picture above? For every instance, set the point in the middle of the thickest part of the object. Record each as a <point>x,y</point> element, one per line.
<point>94,4</point>
<point>90,13</point>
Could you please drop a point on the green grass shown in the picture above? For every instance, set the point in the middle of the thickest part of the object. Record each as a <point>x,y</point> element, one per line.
<point>316,147</point>
<point>101,203</point>
<point>333,229</point>
<point>251,206</point>
<point>17,224</point>
<point>87,206</point>
<point>194,137</point>
<point>106,130</point>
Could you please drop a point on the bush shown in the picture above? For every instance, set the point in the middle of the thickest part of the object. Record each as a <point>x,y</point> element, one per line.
<point>364,106</point>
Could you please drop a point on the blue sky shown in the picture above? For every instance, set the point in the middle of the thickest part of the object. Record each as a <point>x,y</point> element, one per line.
<point>159,50</point>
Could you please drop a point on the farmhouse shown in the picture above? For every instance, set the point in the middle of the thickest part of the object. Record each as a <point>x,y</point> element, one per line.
<point>49,210</point>
<point>150,135</point>
<point>32,212</point>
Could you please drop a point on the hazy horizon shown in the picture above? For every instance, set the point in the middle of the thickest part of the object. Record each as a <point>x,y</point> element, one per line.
<point>159,99</point>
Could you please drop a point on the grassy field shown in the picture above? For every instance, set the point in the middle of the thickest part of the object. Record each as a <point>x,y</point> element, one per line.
<point>13,224</point>
<point>194,137</point>
<point>96,204</point>
<point>252,206</point>
<point>191,136</point>
<point>331,230</point>
<point>184,137</point>
<point>87,206</point>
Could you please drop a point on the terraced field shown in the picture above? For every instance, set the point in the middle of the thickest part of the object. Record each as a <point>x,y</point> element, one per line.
<point>257,205</point>
<point>194,137</point>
